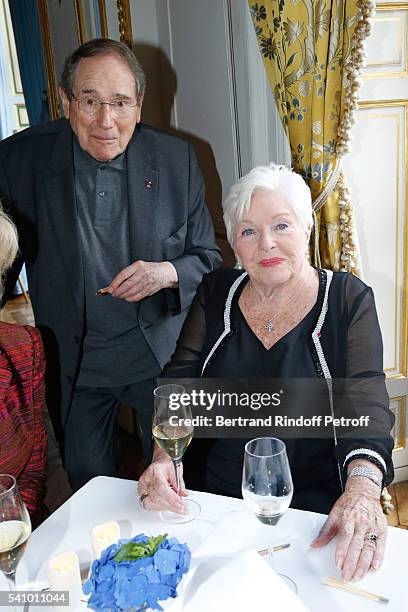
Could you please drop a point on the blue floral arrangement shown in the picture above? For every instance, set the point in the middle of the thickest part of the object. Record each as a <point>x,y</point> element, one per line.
<point>135,574</point>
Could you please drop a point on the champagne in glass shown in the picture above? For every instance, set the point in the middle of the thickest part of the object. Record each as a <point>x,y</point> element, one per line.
<point>173,439</point>
<point>173,432</point>
<point>15,528</point>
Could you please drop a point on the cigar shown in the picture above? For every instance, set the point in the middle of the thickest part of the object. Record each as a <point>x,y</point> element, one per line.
<point>103,291</point>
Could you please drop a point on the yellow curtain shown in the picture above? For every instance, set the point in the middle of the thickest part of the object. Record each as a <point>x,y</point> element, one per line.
<point>313,55</point>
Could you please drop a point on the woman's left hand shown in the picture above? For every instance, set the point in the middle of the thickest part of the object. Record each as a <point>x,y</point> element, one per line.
<point>356,514</point>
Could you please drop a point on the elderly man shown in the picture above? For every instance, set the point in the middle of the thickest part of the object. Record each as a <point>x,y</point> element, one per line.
<point>105,203</point>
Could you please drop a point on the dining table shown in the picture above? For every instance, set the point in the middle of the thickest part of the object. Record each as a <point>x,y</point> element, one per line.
<point>224,540</point>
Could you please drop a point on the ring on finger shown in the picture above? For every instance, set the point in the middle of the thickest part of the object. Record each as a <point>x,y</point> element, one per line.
<point>142,499</point>
<point>371,537</point>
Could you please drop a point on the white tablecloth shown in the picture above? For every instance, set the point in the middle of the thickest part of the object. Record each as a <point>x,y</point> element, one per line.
<point>104,499</point>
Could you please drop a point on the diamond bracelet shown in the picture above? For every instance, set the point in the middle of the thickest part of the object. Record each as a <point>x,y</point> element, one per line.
<point>367,473</point>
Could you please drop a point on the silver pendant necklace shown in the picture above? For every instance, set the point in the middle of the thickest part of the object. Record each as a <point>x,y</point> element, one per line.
<point>269,326</point>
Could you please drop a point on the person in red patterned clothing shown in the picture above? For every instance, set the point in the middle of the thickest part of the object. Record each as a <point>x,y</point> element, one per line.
<point>23,436</point>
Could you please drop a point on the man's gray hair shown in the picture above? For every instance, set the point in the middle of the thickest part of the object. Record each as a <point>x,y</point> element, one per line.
<point>100,47</point>
<point>276,179</point>
<point>8,245</point>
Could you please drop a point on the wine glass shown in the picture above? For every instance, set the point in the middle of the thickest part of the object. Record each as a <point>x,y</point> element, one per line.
<point>15,528</point>
<point>267,486</point>
<point>173,430</point>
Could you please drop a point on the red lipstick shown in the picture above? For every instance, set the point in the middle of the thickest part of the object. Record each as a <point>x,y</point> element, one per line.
<point>269,263</point>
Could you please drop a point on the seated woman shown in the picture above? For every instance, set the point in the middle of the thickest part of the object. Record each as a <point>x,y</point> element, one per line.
<point>288,320</point>
<point>23,436</point>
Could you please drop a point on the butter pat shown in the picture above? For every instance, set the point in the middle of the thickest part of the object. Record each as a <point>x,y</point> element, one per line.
<point>103,536</point>
<point>64,575</point>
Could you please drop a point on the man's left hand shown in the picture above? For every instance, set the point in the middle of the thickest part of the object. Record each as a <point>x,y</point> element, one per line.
<point>142,279</point>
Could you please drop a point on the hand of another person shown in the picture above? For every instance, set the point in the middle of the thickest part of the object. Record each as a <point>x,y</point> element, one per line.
<point>158,486</point>
<point>142,279</point>
<point>356,514</point>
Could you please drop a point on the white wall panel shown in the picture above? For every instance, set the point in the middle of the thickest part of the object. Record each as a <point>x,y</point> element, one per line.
<point>223,101</point>
<point>147,49</point>
<point>200,52</point>
<point>375,173</point>
<point>387,46</point>
<point>386,38</point>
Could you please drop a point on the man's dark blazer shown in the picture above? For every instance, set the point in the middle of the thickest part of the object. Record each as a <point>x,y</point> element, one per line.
<point>168,222</point>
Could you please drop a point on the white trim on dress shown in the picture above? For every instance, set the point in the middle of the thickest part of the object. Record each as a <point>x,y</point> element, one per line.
<point>227,318</point>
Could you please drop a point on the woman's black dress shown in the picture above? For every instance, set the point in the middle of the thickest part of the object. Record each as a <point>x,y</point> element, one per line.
<point>351,340</point>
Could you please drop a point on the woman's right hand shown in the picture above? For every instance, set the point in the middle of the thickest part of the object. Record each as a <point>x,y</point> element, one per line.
<point>158,486</point>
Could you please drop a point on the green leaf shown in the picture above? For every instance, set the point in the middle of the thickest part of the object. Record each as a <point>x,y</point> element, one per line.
<point>131,551</point>
<point>292,57</point>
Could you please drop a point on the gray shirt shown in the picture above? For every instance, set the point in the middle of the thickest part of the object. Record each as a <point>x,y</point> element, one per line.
<point>115,352</point>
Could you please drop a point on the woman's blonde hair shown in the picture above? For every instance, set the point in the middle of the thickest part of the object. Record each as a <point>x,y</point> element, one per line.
<point>8,245</point>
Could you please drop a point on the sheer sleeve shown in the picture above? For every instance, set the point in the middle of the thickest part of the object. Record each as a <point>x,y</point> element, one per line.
<point>364,341</point>
<point>365,382</point>
<point>187,358</point>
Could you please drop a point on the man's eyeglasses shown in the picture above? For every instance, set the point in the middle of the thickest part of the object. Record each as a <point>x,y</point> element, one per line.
<point>92,106</point>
